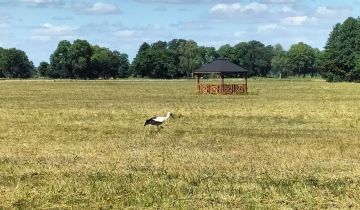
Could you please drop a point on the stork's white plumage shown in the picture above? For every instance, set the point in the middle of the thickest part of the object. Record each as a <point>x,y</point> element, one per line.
<point>158,120</point>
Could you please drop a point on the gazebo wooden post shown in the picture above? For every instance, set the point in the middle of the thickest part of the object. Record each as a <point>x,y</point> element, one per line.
<point>222,84</point>
<point>198,83</point>
<point>246,87</point>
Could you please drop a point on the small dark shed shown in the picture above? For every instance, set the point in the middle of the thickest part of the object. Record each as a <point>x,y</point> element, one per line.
<point>222,67</point>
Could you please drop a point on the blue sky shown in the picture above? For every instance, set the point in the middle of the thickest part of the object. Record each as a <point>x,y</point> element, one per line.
<point>36,26</point>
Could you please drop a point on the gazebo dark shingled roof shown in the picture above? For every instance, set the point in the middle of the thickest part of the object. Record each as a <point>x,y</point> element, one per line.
<point>220,66</point>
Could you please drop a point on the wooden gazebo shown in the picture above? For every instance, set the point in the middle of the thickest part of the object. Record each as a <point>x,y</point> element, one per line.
<point>222,67</point>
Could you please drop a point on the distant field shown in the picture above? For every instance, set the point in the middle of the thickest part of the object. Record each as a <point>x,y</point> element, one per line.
<point>82,145</point>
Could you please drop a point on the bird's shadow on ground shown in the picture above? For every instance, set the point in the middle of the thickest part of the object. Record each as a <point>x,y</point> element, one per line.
<point>153,131</point>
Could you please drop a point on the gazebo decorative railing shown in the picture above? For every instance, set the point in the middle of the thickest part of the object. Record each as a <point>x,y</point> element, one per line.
<point>222,88</point>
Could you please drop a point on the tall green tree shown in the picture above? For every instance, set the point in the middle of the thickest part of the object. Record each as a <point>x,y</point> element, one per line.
<point>60,61</point>
<point>227,51</point>
<point>174,48</point>
<point>141,61</point>
<point>109,64</point>
<point>174,59</point>
<point>318,61</point>
<point>14,63</point>
<point>279,62</point>
<point>301,59</point>
<point>43,68</point>
<point>120,62</point>
<point>80,53</point>
<point>254,56</point>
<point>154,61</point>
<point>208,54</point>
<point>162,63</point>
<point>190,57</point>
<point>2,73</point>
<point>341,51</point>
<point>354,75</point>
<point>101,63</point>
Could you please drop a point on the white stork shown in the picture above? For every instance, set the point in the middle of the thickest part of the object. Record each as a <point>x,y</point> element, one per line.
<point>158,120</point>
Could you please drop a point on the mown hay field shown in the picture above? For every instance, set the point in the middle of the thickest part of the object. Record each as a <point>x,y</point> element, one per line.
<point>288,144</point>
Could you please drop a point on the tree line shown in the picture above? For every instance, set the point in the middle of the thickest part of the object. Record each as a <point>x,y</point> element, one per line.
<point>81,60</point>
<point>339,61</point>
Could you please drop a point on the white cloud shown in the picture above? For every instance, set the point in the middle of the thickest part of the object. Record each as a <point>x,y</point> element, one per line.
<point>102,8</point>
<point>192,25</point>
<point>297,20</point>
<point>47,25</point>
<point>239,34</point>
<point>125,33</point>
<point>325,11</point>
<point>270,27</point>
<point>255,7</point>
<point>140,34</point>
<point>180,1</point>
<point>37,1</point>
<point>101,27</point>
<point>47,31</point>
<point>280,1</point>
<point>214,43</point>
<point>5,22</point>
<point>4,25</point>
<point>237,7</point>
<point>4,19</point>
<point>287,9</point>
<point>40,38</point>
<point>40,3</point>
<point>223,8</point>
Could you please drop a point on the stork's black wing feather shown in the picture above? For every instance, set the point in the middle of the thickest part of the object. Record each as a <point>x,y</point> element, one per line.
<point>148,121</point>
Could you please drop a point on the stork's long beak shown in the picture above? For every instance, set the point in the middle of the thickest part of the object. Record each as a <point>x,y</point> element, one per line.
<point>172,116</point>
